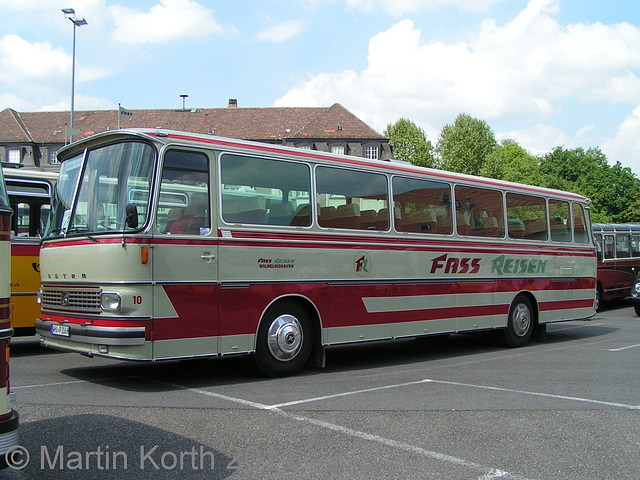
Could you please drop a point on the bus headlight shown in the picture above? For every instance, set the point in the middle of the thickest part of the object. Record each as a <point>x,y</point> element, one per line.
<point>39,297</point>
<point>110,301</point>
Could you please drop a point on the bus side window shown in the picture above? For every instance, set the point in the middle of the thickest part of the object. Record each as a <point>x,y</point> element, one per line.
<point>44,218</point>
<point>560,223</point>
<point>609,247</point>
<point>599,248</point>
<point>352,193</point>
<point>623,244</point>
<point>23,221</point>
<point>527,217</point>
<point>479,212</point>
<point>635,245</point>
<point>580,233</point>
<point>183,206</point>
<point>262,191</point>
<point>425,205</point>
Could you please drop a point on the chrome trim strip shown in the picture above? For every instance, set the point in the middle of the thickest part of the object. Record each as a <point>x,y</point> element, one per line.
<point>95,335</point>
<point>6,333</point>
<point>46,311</point>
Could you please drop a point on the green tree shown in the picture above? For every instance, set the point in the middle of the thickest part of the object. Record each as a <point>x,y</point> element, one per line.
<point>614,190</point>
<point>465,145</point>
<point>509,161</point>
<point>409,143</point>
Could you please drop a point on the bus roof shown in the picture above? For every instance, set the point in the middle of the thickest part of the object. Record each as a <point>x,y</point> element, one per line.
<point>167,137</point>
<point>615,227</point>
<point>29,174</point>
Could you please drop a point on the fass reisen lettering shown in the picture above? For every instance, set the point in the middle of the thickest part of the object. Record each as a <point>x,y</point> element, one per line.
<point>455,265</point>
<point>500,265</point>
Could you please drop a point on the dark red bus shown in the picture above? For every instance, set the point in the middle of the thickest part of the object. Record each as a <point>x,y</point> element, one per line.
<point>618,249</point>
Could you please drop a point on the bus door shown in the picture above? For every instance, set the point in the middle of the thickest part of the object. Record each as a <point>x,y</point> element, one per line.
<point>185,265</point>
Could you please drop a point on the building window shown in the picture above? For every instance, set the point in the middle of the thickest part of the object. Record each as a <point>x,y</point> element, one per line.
<point>337,149</point>
<point>371,153</point>
<point>53,158</point>
<point>304,147</point>
<point>13,156</point>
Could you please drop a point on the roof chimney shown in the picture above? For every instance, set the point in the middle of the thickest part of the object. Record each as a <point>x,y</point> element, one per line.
<point>233,103</point>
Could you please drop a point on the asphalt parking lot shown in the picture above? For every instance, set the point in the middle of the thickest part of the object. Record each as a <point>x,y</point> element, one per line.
<point>564,407</point>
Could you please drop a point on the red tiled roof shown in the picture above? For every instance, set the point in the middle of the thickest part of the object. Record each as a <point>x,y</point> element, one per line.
<point>262,124</point>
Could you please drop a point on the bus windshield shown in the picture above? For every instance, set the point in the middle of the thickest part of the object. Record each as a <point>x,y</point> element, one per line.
<point>95,191</point>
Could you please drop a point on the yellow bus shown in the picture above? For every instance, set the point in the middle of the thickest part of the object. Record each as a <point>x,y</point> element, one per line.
<point>29,194</point>
<point>8,417</point>
<point>177,245</point>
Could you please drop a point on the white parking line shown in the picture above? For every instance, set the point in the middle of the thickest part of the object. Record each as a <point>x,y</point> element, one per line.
<point>623,348</point>
<point>344,394</point>
<point>70,382</point>
<point>540,394</point>
<point>459,384</point>
<point>486,473</point>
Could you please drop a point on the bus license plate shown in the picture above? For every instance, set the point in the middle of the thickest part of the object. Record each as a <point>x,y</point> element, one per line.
<point>61,330</point>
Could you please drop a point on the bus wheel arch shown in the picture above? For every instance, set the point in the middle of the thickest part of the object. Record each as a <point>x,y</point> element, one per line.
<point>598,300</point>
<point>521,322</point>
<point>287,337</point>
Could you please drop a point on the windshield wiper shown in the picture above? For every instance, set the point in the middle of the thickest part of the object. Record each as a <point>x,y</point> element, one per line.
<point>83,231</point>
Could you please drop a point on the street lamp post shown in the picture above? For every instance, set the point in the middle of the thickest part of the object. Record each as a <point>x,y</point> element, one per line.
<point>77,22</point>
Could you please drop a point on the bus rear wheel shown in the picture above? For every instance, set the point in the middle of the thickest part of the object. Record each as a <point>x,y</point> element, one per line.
<point>285,340</point>
<point>520,323</point>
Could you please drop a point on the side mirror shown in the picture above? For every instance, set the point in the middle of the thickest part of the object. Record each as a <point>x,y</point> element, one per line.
<point>132,215</point>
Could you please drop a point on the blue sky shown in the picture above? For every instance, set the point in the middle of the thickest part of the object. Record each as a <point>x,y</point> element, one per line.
<point>543,72</point>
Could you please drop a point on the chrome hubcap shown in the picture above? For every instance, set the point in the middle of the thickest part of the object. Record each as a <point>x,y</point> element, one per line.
<point>521,320</point>
<point>285,337</point>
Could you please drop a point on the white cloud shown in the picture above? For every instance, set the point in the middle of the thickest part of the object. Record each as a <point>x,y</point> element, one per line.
<point>42,5</point>
<point>46,65</point>
<point>582,132</point>
<point>400,7</point>
<point>521,71</point>
<point>165,22</point>
<point>14,101</point>
<point>625,146</point>
<point>81,102</point>
<point>538,139</point>
<point>47,68</point>
<point>282,31</point>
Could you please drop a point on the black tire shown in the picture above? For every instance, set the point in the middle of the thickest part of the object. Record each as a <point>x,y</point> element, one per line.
<point>520,323</point>
<point>636,307</point>
<point>285,340</point>
<point>598,300</point>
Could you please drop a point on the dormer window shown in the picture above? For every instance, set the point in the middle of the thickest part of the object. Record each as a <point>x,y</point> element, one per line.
<point>13,156</point>
<point>371,153</point>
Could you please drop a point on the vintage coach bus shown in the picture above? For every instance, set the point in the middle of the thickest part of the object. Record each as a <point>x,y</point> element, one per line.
<point>29,194</point>
<point>8,417</point>
<point>618,247</point>
<point>176,245</point>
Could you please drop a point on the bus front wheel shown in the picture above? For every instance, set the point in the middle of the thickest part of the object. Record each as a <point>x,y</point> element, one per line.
<point>520,323</point>
<point>285,340</point>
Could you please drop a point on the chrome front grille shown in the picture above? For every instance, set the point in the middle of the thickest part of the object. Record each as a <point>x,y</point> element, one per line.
<point>71,299</point>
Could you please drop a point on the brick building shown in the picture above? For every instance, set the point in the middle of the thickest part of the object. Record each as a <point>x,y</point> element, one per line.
<point>33,138</point>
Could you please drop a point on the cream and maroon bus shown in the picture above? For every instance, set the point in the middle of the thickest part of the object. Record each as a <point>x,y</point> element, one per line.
<point>173,245</point>
<point>8,417</point>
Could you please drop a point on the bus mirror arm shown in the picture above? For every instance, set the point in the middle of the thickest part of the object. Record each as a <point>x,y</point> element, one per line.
<point>131,220</point>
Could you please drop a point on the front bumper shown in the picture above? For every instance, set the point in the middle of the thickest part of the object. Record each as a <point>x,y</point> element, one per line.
<point>117,336</point>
